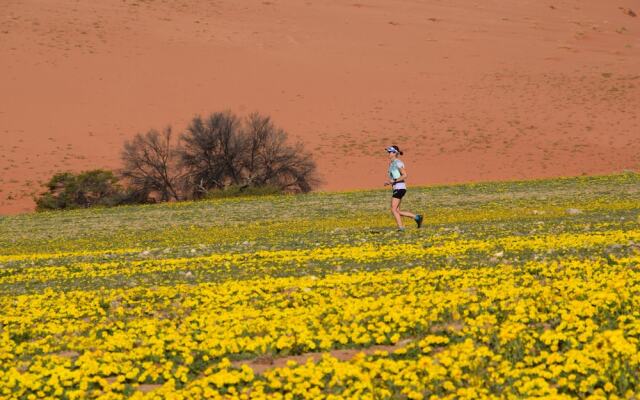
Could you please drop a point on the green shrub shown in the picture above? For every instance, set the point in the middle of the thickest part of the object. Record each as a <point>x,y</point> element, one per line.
<point>98,187</point>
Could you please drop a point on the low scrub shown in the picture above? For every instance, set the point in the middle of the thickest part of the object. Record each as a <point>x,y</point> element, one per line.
<point>99,187</point>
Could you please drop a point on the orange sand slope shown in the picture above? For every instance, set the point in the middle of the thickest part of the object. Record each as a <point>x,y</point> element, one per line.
<point>473,90</point>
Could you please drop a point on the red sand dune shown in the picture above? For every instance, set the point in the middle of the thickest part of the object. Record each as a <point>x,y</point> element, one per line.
<point>473,90</point>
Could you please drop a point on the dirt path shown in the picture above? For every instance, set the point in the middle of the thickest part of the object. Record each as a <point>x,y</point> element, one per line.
<point>261,364</point>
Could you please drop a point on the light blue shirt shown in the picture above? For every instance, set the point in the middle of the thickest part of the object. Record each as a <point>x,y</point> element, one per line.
<point>394,173</point>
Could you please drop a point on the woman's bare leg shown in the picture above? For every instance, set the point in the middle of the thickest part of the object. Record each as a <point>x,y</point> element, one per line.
<point>407,214</point>
<point>395,210</point>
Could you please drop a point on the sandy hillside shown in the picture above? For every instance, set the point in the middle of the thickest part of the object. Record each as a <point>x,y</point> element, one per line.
<point>474,90</point>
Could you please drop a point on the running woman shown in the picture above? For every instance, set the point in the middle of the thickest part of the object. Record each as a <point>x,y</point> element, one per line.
<point>397,176</point>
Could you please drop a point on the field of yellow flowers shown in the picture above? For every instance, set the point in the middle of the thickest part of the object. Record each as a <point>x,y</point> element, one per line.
<point>509,290</point>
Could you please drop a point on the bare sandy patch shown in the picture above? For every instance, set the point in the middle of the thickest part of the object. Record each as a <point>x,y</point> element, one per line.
<point>260,365</point>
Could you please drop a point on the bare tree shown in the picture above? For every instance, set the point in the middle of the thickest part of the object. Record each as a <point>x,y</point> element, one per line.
<point>269,160</point>
<point>211,151</point>
<point>150,164</point>
<point>216,152</point>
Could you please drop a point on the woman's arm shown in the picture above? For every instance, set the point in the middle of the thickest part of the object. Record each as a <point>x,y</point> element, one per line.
<point>403,174</point>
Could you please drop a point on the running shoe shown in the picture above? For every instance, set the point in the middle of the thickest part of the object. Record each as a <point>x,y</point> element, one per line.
<point>418,220</point>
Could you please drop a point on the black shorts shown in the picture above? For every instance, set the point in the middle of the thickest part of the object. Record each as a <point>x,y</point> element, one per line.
<point>398,193</point>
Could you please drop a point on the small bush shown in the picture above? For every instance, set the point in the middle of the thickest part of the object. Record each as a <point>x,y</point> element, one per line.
<point>66,190</point>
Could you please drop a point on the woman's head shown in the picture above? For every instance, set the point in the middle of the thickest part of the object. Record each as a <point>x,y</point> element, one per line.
<point>394,151</point>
